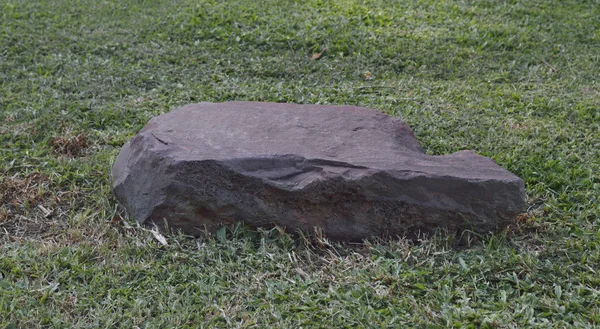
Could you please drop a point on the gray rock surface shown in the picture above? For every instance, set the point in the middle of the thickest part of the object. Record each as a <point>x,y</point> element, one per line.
<point>353,172</point>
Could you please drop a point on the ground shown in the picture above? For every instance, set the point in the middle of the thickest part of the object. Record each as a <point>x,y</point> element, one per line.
<point>513,80</point>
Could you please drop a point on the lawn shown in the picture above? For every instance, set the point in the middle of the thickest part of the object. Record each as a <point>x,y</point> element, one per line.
<point>514,80</point>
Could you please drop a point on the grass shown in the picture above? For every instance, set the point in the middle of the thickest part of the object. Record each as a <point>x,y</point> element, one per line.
<point>513,80</point>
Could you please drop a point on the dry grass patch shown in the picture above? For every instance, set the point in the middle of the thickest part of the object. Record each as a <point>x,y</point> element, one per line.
<point>28,207</point>
<point>70,145</point>
<point>19,193</point>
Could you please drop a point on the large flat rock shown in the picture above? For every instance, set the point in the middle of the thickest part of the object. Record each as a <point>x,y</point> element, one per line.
<point>351,171</point>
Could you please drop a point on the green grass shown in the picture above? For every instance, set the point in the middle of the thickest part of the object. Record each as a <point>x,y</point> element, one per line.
<point>516,81</point>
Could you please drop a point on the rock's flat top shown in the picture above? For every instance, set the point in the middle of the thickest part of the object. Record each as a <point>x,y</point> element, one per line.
<point>239,129</point>
<point>290,150</point>
<point>353,135</point>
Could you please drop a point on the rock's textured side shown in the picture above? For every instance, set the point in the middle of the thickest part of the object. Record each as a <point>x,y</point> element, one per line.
<point>353,172</point>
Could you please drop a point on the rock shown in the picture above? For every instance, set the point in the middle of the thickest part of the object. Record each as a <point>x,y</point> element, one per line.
<point>351,171</point>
